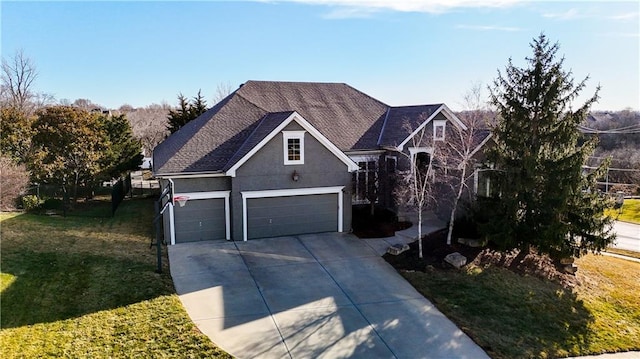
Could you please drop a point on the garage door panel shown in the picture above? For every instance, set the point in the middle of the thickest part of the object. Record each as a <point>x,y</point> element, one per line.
<point>198,220</point>
<point>282,216</point>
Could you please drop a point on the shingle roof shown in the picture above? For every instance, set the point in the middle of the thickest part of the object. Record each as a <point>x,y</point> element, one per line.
<point>349,118</point>
<point>398,118</point>
<point>217,139</point>
<point>207,143</point>
<point>265,126</point>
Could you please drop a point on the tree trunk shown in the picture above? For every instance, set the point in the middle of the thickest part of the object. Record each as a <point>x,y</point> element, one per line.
<point>452,217</point>
<point>420,232</point>
<point>75,187</point>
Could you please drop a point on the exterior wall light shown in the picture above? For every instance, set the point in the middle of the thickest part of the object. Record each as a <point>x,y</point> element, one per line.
<point>295,176</point>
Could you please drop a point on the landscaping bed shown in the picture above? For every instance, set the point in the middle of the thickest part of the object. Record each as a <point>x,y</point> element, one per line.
<point>526,306</point>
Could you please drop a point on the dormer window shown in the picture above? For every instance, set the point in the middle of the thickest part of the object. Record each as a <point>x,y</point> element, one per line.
<point>293,142</point>
<point>439,129</point>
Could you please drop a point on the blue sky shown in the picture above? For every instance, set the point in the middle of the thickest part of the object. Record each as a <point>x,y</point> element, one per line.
<point>400,52</point>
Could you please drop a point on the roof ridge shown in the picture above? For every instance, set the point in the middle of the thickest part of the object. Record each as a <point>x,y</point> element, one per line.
<point>369,96</point>
<point>428,104</point>
<point>298,82</point>
<point>237,92</point>
<point>384,124</point>
<point>233,159</point>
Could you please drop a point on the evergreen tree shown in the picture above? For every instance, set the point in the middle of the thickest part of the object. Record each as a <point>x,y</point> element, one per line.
<point>545,200</point>
<point>179,117</point>
<point>187,111</point>
<point>124,151</point>
<point>198,105</point>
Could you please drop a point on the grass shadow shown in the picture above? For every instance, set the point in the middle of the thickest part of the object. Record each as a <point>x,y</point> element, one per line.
<point>56,268</point>
<point>509,315</point>
<point>52,286</point>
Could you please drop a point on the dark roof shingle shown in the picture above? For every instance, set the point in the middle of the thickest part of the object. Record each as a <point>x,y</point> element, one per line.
<point>399,118</point>
<point>221,136</point>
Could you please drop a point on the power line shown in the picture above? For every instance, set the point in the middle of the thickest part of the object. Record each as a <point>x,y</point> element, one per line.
<point>614,169</point>
<point>631,129</point>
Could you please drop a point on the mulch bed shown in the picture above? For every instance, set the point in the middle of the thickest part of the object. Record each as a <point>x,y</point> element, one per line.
<point>384,223</point>
<point>435,249</point>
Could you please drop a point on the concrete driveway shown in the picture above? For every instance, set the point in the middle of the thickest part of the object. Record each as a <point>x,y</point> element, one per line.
<point>312,296</point>
<point>628,236</point>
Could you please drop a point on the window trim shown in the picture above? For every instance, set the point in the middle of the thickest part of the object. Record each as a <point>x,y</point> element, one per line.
<point>357,175</point>
<point>289,135</point>
<point>437,124</point>
<point>387,159</point>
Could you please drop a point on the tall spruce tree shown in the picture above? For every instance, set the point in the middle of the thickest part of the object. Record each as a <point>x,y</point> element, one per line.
<point>187,111</point>
<point>545,199</point>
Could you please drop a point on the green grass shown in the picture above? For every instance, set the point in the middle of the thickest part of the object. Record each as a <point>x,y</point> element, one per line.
<point>630,211</point>
<point>514,316</point>
<point>623,252</point>
<point>87,287</point>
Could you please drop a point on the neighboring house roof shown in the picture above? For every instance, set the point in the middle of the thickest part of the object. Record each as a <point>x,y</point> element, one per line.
<point>349,119</point>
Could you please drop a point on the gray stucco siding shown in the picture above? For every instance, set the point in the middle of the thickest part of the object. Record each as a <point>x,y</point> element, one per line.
<point>202,184</point>
<point>266,170</point>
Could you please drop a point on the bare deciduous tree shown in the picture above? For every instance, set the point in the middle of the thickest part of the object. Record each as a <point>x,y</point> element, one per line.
<point>18,75</point>
<point>222,91</point>
<point>149,124</point>
<point>416,186</point>
<point>459,151</point>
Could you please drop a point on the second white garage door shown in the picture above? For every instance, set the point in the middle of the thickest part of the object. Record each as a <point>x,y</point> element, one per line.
<point>291,215</point>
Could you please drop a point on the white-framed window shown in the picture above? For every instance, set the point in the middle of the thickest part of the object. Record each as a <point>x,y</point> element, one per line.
<point>482,181</point>
<point>293,143</point>
<point>439,129</point>
<point>421,159</point>
<point>391,163</point>
<point>365,179</point>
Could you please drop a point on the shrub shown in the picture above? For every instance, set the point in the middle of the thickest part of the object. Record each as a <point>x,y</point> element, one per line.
<point>52,203</point>
<point>30,202</point>
<point>15,179</point>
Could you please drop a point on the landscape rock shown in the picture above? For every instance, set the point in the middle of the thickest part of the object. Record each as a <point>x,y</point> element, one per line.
<point>571,268</point>
<point>397,248</point>
<point>568,260</point>
<point>456,259</point>
<point>473,242</point>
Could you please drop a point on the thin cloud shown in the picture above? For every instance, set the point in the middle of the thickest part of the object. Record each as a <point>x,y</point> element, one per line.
<point>360,7</point>
<point>489,28</point>
<point>350,13</point>
<point>627,16</point>
<point>621,34</point>
<point>570,14</point>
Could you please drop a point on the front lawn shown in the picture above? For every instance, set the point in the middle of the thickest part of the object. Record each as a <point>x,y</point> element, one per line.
<point>512,315</point>
<point>630,211</point>
<point>87,287</point>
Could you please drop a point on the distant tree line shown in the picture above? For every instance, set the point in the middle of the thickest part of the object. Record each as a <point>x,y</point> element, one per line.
<point>68,146</point>
<point>76,145</point>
